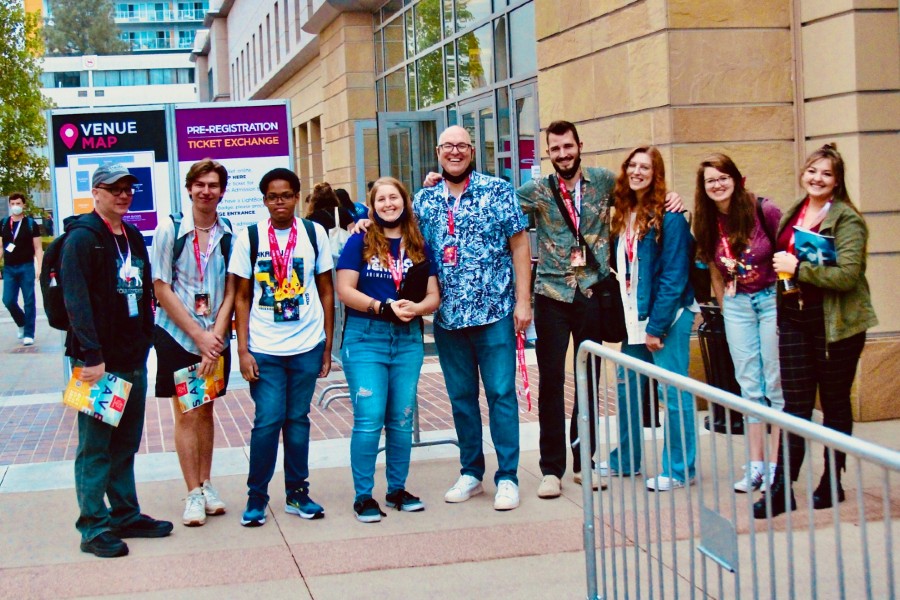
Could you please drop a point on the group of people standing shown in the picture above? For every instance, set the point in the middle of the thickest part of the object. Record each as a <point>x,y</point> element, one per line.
<point>465,234</point>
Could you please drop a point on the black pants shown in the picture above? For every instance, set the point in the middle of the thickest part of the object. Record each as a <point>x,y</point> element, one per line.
<point>554,322</point>
<point>809,364</point>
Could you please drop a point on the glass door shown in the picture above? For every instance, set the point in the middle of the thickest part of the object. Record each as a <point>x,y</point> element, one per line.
<point>477,117</point>
<point>527,133</point>
<point>406,145</point>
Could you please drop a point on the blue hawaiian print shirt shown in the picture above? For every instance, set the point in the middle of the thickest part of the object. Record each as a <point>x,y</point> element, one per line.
<point>479,290</point>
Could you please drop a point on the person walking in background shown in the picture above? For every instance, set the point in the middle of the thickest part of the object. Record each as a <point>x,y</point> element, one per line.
<point>22,249</point>
<point>284,309</point>
<point>193,324</point>
<point>822,324</point>
<point>383,345</point>
<point>322,203</point>
<point>474,223</point>
<point>107,290</point>
<point>357,210</point>
<point>735,234</point>
<point>652,261</point>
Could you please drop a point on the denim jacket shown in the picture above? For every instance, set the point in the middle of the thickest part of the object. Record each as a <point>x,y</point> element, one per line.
<point>663,283</point>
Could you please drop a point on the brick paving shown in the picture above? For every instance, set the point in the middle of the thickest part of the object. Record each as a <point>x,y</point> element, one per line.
<point>48,432</point>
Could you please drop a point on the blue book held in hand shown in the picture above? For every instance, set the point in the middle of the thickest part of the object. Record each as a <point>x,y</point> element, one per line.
<point>814,248</point>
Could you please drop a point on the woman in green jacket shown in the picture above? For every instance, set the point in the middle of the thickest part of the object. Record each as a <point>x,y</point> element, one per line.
<point>822,321</point>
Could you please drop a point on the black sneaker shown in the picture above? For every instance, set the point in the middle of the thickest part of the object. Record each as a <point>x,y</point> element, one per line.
<point>144,527</point>
<point>403,500</point>
<point>367,510</point>
<point>105,545</point>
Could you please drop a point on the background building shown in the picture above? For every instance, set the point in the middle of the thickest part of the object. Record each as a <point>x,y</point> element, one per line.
<point>765,85</point>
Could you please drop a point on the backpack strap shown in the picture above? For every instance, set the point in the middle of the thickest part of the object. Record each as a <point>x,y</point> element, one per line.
<point>179,242</point>
<point>313,240</point>
<point>253,235</point>
<point>762,221</point>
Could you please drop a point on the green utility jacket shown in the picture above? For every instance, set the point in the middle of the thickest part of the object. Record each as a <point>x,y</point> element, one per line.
<point>847,303</point>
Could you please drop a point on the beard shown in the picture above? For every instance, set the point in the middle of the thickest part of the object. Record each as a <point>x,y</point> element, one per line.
<point>568,173</point>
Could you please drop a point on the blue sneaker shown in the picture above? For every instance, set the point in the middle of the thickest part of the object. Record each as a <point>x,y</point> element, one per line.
<point>299,503</point>
<point>255,513</point>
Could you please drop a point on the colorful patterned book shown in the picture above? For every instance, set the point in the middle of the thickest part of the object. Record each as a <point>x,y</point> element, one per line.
<point>195,391</point>
<point>105,400</point>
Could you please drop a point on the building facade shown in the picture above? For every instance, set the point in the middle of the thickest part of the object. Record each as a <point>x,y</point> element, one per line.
<point>765,84</point>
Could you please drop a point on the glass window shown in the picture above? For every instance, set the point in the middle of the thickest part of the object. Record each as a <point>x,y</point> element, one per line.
<point>185,75</point>
<point>411,86</point>
<point>379,95</point>
<point>525,119</point>
<point>470,11</point>
<point>448,18</point>
<point>390,9</point>
<point>410,33</point>
<point>431,78</point>
<point>450,66</point>
<point>395,90</point>
<point>503,119</point>
<point>476,64</point>
<point>379,57</point>
<point>523,44</point>
<point>428,24</point>
<point>501,65</point>
<point>393,43</point>
<point>162,76</point>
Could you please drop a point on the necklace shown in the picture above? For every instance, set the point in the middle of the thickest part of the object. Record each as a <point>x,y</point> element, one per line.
<point>204,229</point>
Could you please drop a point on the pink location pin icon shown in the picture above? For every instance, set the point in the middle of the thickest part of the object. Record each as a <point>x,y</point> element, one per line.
<point>69,134</point>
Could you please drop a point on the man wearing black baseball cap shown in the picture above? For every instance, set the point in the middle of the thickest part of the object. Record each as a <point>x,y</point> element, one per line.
<point>107,288</point>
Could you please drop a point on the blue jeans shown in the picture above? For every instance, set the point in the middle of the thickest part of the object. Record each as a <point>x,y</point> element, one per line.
<point>382,362</point>
<point>282,396</point>
<point>104,463</point>
<point>16,278</point>
<point>680,450</point>
<point>490,349</point>
<point>752,330</point>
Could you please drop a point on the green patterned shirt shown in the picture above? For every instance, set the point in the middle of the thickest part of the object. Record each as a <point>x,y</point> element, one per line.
<point>556,278</point>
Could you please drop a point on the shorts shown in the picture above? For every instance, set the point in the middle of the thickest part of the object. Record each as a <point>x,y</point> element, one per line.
<point>171,357</point>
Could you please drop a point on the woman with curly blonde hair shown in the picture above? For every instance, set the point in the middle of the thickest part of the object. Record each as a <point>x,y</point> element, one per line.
<point>383,343</point>
<point>652,257</point>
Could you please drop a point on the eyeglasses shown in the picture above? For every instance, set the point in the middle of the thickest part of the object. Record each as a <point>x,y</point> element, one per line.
<point>448,147</point>
<point>284,198</point>
<point>717,181</point>
<point>118,191</point>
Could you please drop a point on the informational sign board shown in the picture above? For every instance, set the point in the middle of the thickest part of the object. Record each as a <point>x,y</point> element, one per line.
<point>82,140</point>
<point>249,139</point>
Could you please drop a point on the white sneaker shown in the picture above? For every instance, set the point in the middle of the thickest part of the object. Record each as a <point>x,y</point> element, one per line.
<point>665,484</point>
<point>214,504</point>
<point>752,480</point>
<point>767,481</point>
<point>194,509</point>
<point>28,341</point>
<point>550,487</point>
<point>596,482</point>
<point>21,333</point>
<point>606,471</point>
<point>507,497</point>
<point>464,488</point>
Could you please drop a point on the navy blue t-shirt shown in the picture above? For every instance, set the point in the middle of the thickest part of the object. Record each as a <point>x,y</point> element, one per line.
<point>375,280</point>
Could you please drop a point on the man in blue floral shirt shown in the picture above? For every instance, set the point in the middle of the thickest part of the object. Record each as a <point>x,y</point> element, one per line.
<point>475,227</point>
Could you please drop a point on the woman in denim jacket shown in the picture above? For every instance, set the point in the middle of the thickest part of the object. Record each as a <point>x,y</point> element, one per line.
<point>738,246</point>
<point>822,325</point>
<point>652,258</point>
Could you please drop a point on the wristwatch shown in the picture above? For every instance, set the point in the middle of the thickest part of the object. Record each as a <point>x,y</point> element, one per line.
<point>371,309</point>
<point>384,305</point>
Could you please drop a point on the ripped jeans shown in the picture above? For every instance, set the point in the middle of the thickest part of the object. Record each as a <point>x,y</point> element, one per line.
<point>382,362</point>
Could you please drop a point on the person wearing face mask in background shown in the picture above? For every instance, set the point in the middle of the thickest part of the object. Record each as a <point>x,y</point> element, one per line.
<point>21,250</point>
<point>383,346</point>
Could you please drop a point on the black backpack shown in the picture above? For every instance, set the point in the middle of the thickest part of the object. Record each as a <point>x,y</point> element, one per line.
<point>253,235</point>
<point>51,282</point>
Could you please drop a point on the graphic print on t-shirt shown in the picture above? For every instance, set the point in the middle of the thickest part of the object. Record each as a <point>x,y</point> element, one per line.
<point>283,300</point>
<point>130,281</point>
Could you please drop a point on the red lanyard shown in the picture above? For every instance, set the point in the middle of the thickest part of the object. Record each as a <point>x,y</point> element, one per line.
<point>799,222</point>
<point>201,264</point>
<point>397,270</point>
<point>281,261</point>
<point>523,368</point>
<point>630,240</point>
<point>451,226</point>
<point>726,248</point>
<point>575,215</point>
